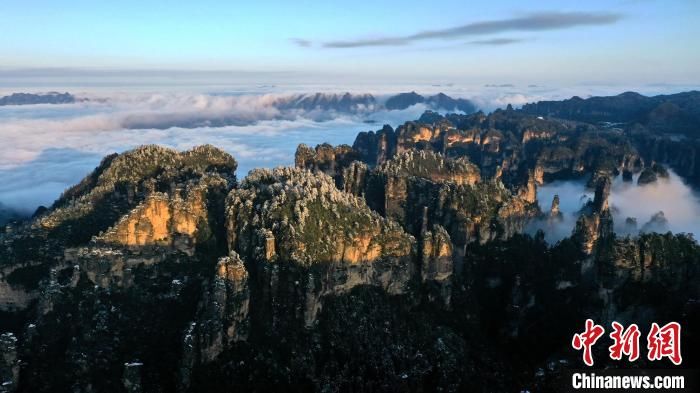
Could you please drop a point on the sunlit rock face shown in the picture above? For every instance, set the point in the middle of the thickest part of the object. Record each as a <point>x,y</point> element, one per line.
<point>148,196</point>
<point>176,219</point>
<point>528,193</point>
<point>307,239</point>
<point>310,220</point>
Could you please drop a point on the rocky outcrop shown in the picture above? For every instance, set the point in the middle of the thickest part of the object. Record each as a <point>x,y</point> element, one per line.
<point>646,177</point>
<point>432,166</point>
<point>354,178</point>
<point>651,258</point>
<point>680,154</point>
<point>123,181</point>
<point>554,212</point>
<point>528,193</point>
<point>223,315</point>
<point>108,267</point>
<point>376,147</point>
<point>595,222</point>
<point>296,224</point>
<point>657,223</point>
<point>326,158</point>
<point>466,207</point>
<point>652,174</point>
<point>411,135</point>
<point>437,261</point>
<point>662,263</point>
<point>507,145</point>
<point>179,219</point>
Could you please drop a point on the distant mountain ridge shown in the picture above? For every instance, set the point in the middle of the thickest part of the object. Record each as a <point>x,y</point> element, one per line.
<point>335,102</point>
<point>438,101</point>
<point>34,99</point>
<point>346,103</point>
<point>672,113</point>
<point>358,103</point>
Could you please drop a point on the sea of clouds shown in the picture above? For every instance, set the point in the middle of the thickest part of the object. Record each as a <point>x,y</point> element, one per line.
<point>47,148</point>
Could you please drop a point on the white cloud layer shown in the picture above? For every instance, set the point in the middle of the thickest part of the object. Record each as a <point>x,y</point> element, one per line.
<point>679,203</point>
<point>47,148</point>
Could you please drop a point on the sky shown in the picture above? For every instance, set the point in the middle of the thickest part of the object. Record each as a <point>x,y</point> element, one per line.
<point>565,42</point>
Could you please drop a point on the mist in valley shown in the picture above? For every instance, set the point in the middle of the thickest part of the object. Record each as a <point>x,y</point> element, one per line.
<point>665,205</point>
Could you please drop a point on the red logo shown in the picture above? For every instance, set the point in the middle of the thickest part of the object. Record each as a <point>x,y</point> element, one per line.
<point>662,342</point>
<point>665,342</point>
<point>625,342</point>
<point>586,340</point>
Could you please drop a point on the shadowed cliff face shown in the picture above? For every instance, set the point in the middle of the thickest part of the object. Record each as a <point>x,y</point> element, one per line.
<point>394,264</point>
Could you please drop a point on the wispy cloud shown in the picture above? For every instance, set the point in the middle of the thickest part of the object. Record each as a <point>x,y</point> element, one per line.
<point>533,22</point>
<point>497,41</point>
<point>301,42</point>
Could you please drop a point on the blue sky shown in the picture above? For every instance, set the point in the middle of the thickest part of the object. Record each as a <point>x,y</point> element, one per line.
<point>628,41</point>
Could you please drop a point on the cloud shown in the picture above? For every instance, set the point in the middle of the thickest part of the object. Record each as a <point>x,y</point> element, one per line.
<point>533,22</point>
<point>51,147</point>
<point>301,42</point>
<point>679,203</point>
<point>497,41</point>
<point>396,41</point>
